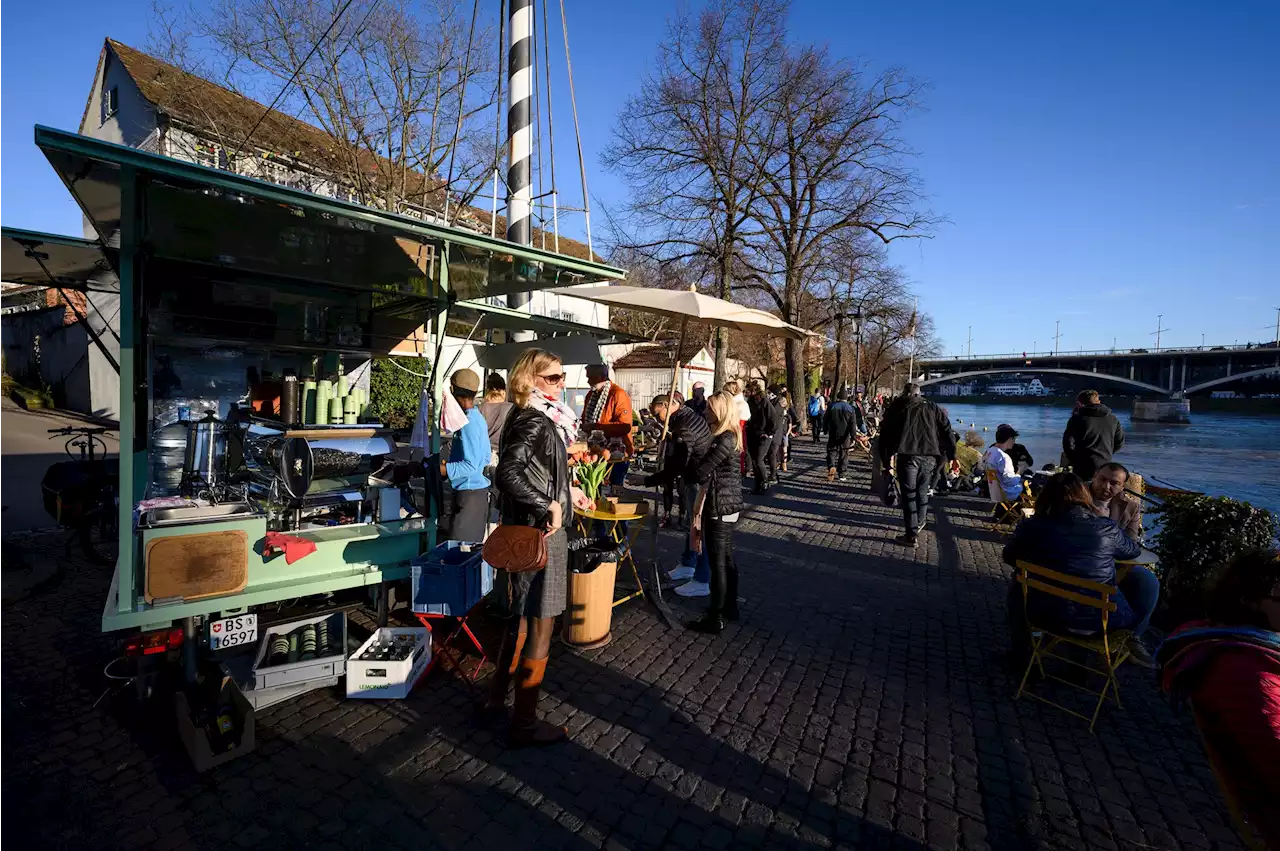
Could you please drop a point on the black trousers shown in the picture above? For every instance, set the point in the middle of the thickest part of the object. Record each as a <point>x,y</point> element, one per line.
<point>470,515</point>
<point>816,423</point>
<point>837,455</point>
<point>762,459</point>
<point>915,474</point>
<point>717,537</point>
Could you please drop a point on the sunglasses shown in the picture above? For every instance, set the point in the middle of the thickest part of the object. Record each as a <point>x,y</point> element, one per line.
<point>554,378</point>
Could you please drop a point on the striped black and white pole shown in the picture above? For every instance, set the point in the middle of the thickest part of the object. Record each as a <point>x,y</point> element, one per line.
<point>519,127</point>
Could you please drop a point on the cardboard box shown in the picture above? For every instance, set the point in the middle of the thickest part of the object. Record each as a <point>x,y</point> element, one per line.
<point>392,679</point>
<point>620,505</point>
<point>197,743</point>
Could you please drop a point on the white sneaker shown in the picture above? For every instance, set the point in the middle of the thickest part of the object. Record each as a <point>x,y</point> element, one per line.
<point>680,573</point>
<point>694,589</point>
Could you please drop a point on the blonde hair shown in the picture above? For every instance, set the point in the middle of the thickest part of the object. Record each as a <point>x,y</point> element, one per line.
<point>495,395</point>
<point>520,380</point>
<point>723,412</point>
<point>732,388</point>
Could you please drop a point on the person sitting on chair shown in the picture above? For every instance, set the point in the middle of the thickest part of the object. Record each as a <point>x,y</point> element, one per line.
<point>1228,668</point>
<point>1067,536</point>
<point>998,460</point>
<point>1109,499</point>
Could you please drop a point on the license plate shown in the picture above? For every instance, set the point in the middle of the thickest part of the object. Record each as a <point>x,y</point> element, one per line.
<point>233,632</point>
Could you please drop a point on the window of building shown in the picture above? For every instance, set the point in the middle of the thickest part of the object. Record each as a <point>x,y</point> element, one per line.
<point>110,102</point>
<point>564,315</point>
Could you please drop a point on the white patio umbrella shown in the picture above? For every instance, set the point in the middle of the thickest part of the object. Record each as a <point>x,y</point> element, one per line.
<point>687,305</point>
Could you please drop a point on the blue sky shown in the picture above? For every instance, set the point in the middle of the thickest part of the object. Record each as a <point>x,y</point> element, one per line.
<point>1099,163</point>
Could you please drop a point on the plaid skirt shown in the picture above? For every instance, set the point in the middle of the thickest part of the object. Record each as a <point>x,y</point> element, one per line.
<point>542,593</point>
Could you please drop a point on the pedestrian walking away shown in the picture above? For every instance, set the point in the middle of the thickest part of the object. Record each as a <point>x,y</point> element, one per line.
<point>918,433</point>
<point>841,425</point>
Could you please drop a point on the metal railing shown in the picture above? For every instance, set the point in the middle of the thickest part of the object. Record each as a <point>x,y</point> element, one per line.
<point>1085,353</point>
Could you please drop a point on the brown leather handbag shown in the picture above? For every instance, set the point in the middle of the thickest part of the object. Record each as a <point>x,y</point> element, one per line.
<point>516,549</point>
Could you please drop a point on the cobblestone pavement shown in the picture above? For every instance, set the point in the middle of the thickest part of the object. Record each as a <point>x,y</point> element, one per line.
<point>859,704</point>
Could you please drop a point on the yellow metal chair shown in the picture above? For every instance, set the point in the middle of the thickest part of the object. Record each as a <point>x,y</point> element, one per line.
<point>1110,646</point>
<point>1007,512</point>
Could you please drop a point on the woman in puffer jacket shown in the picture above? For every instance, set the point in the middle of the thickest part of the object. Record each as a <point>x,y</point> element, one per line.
<point>716,510</point>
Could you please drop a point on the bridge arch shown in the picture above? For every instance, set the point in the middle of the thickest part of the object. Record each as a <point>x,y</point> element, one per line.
<point>1205,385</point>
<point>1150,388</point>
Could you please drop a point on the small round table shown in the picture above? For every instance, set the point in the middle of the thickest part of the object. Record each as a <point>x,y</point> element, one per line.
<point>1146,558</point>
<point>625,541</point>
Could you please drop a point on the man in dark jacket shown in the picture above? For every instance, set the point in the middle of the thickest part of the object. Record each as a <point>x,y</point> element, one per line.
<point>917,431</point>
<point>1093,434</point>
<point>689,430</point>
<point>766,420</point>
<point>841,425</point>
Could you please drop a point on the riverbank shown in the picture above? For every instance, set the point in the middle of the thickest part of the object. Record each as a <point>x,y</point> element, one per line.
<point>1121,403</point>
<point>1220,453</point>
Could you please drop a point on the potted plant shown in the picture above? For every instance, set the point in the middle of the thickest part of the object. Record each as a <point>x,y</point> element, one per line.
<point>590,474</point>
<point>1197,536</point>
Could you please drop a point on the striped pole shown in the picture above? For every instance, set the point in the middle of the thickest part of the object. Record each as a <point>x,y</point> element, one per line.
<point>519,116</point>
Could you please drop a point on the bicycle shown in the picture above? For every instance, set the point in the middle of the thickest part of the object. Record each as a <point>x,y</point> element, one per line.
<point>83,494</point>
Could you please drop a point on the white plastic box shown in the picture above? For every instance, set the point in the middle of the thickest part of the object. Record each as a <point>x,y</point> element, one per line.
<point>389,680</point>
<point>319,669</point>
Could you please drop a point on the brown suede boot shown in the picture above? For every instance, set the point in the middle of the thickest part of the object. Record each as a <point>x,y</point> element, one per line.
<point>527,729</point>
<point>493,710</point>
<point>831,474</point>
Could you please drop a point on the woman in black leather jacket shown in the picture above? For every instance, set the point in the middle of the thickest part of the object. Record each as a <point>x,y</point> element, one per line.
<point>716,511</point>
<point>532,479</point>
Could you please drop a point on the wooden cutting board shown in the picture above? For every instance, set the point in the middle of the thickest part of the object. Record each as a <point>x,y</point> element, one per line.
<point>192,567</point>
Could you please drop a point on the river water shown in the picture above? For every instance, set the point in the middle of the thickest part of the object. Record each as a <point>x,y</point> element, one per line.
<point>1222,454</point>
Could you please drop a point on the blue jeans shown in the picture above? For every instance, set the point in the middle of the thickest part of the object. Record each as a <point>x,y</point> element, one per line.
<point>698,561</point>
<point>1141,589</point>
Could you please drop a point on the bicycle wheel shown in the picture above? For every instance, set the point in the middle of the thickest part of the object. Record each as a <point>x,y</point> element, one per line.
<point>99,538</point>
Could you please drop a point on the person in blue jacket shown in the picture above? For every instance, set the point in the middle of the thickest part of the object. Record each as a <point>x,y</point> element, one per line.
<point>469,454</point>
<point>1066,535</point>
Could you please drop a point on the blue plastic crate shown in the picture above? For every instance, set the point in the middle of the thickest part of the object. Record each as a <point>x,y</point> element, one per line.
<point>449,580</point>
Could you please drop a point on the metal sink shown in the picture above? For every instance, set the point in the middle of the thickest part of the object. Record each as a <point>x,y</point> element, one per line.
<point>198,514</point>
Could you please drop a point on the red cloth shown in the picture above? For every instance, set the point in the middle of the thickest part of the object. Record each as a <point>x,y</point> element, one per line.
<point>1237,699</point>
<point>293,547</point>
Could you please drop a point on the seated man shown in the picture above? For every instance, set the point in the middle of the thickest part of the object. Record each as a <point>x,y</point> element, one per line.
<point>997,458</point>
<point>1022,460</point>
<point>1109,499</point>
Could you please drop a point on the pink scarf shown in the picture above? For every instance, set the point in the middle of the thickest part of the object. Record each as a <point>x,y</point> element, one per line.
<point>560,414</point>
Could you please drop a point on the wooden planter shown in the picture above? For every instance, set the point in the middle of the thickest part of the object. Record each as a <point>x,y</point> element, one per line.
<point>589,617</point>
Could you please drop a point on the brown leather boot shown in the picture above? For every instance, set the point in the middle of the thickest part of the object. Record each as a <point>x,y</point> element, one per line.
<point>831,474</point>
<point>493,710</point>
<point>527,729</point>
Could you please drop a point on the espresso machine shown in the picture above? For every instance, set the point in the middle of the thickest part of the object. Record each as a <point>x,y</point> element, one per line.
<point>312,477</point>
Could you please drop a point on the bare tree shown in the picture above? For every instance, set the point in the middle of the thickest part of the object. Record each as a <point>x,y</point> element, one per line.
<point>835,168</point>
<point>684,142</point>
<point>644,271</point>
<point>399,86</point>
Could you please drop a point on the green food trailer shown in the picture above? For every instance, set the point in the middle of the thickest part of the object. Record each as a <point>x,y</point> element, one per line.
<point>246,312</point>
